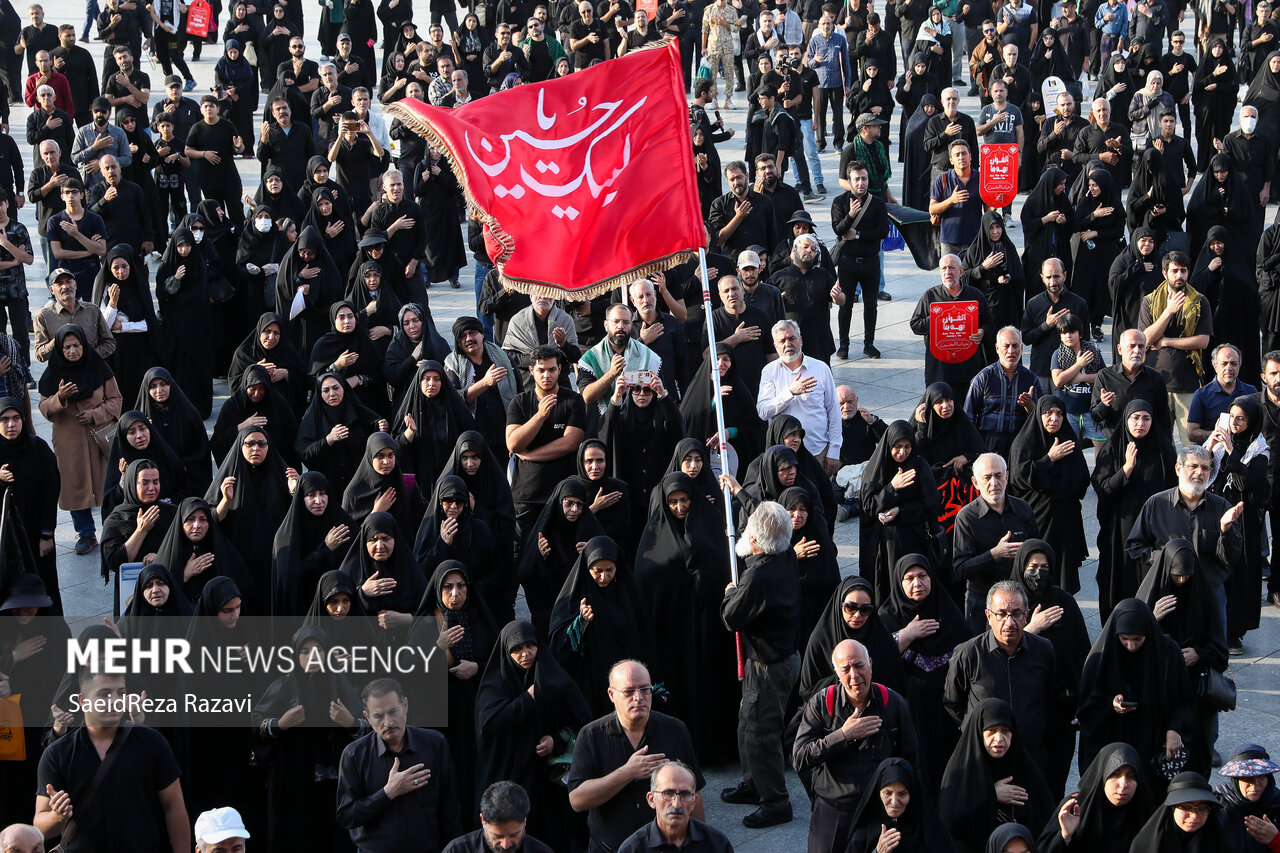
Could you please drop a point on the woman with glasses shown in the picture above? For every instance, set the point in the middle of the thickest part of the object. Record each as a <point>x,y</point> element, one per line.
<point>1189,819</point>
<point>850,614</point>
<point>250,495</point>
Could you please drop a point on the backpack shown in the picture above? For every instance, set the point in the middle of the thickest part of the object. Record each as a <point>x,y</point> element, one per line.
<point>831,697</point>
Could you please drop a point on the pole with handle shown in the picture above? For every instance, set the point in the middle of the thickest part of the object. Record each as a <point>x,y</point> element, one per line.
<point>718,407</point>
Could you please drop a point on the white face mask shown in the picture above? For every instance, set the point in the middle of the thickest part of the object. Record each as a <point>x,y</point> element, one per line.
<point>1248,124</point>
<point>198,235</point>
<point>263,225</point>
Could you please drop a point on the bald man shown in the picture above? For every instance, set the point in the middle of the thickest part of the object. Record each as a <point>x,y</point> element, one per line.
<point>847,729</point>
<point>21,838</point>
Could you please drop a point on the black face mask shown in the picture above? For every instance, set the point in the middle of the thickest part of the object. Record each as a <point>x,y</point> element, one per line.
<point>1037,580</point>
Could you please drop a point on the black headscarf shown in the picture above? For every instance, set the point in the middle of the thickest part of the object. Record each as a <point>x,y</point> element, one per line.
<point>314,691</point>
<point>325,289</point>
<point>982,246</point>
<point>179,425</point>
<point>1161,834</point>
<point>1196,622</point>
<point>123,520</point>
<point>283,355</point>
<point>1030,469</point>
<point>257,506</point>
<point>493,502</point>
<point>697,407</point>
<point>1041,240</point>
<point>205,629</point>
<point>439,420</point>
<point>896,613</point>
<point>1151,186</point>
<point>507,740</point>
<point>616,519</point>
<point>411,583</point>
<point>1006,832</point>
<point>886,661</point>
<point>340,459</point>
<point>173,480</point>
<point>177,549</point>
<point>1105,828</point>
<point>300,556</point>
<point>281,424</point>
<point>939,439</point>
<point>367,484</point>
<point>882,467</point>
<point>618,630</point>
<point>88,374</point>
<point>481,628</point>
<point>404,352</point>
<point>1156,457</point>
<point>334,343</point>
<point>342,248</point>
<point>355,628</point>
<point>135,294</point>
<point>142,621</point>
<point>968,800</point>
<point>543,577</point>
<point>921,828</point>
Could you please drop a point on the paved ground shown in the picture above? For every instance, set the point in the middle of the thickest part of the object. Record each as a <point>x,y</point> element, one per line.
<point>890,386</point>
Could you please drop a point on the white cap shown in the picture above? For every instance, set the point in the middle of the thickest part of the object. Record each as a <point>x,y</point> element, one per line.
<point>218,825</point>
<point>748,258</point>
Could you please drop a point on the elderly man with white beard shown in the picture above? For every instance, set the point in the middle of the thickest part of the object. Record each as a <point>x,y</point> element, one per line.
<point>808,291</point>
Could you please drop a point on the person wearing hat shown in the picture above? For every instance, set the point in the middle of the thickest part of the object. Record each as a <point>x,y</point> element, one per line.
<point>482,373</point>
<point>759,293</point>
<point>1250,801</point>
<point>808,290</point>
<point>352,70</point>
<point>186,115</point>
<point>801,222</point>
<point>99,138</point>
<point>1188,819</point>
<point>222,830</point>
<point>860,220</point>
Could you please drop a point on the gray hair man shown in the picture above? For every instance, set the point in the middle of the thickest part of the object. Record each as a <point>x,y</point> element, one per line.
<point>802,386</point>
<point>763,606</point>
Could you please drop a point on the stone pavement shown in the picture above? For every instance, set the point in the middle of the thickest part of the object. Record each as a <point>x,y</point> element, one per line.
<point>890,386</point>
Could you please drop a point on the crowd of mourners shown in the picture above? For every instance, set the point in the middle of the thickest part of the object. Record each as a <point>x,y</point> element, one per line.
<point>535,493</point>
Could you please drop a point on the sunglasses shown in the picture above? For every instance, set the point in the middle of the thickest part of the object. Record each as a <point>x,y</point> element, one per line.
<point>864,609</point>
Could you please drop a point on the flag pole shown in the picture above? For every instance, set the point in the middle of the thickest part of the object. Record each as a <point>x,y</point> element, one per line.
<point>717,406</point>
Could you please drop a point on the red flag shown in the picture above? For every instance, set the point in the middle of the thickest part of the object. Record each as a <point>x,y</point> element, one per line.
<point>582,183</point>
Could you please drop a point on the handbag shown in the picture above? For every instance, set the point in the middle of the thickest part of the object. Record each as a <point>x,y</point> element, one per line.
<point>1218,690</point>
<point>98,779</point>
<point>220,290</point>
<point>13,741</point>
<point>103,435</point>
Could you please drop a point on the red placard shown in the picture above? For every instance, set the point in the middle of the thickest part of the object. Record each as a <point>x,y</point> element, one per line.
<point>951,324</point>
<point>650,7</point>
<point>998,173</point>
<point>199,16</point>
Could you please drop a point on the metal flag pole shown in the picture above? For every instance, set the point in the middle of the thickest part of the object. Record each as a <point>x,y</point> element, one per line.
<point>718,407</point>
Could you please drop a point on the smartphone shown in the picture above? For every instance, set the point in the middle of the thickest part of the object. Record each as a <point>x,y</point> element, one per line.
<point>1224,422</point>
<point>642,378</point>
<point>1129,706</point>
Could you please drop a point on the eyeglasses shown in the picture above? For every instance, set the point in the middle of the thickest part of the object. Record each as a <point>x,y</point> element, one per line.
<point>570,503</point>
<point>633,692</point>
<point>685,797</point>
<point>254,442</point>
<point>1008,615</point>
<point>851,608</point>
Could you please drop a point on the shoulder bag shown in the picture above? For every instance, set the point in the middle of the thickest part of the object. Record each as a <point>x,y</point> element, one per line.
<point>98,779</point>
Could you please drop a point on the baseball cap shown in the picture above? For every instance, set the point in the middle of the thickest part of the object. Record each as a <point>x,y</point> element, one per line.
<point>218,825</point>
<point>748,258</point>
<point>344,36</point>
<point>869,120</point>
<point>59,273</point>
<point>172,80</point>
<point>100,103</point>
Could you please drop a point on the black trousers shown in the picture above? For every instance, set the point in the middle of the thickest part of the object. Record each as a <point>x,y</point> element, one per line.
<point>854,272</point>
<point>17,315</point>
<point>835,97</point>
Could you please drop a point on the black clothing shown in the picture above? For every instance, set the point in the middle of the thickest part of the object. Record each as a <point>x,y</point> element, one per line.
<point>978,528</point>
<point>337,460</point>
<point>423,818</point>
<point>533,482</point>
<point>144,767</point>
<point>1166,517</point>
<point>967,802</point>
<point>300,555</point>
<point>602,747</point>
<point>1146,384</point>
<point>920,826</point>
<point>759,228</point>
<point>960,374</point>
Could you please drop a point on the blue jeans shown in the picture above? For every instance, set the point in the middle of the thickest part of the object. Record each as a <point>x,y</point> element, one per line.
<point>82,520</point>
<point>811,152</point>
<point>482,270</point>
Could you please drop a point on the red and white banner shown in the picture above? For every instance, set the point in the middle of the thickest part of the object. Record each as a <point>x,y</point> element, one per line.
<point>998,171</point>
<point>581,183</point>
<point>951,325</point>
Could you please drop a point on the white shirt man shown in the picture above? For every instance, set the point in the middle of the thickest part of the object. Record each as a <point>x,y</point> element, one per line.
<point>802,387</point>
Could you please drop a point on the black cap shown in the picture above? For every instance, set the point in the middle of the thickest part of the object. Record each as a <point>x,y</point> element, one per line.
<point>100,103</point>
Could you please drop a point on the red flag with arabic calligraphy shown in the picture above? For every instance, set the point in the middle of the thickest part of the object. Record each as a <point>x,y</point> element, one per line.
<point>998,173</point>
<point>581,183</point>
